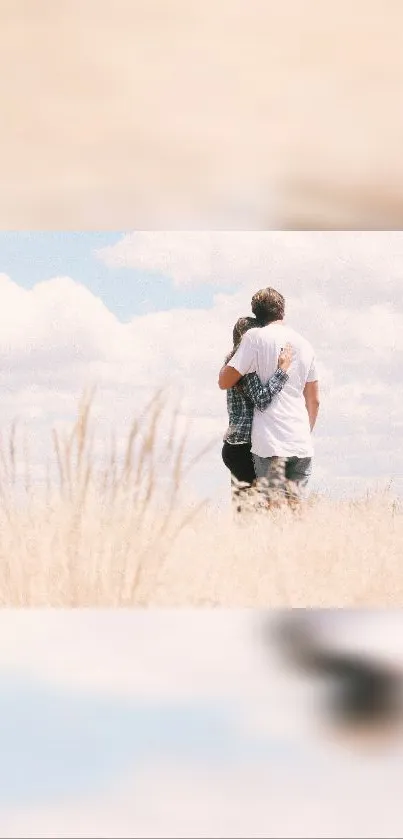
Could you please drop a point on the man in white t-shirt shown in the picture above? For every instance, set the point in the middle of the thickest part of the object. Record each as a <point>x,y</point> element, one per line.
<point>281,435</point>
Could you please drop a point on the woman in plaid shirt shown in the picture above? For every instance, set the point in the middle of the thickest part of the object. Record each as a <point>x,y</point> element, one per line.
<point>242,399</point>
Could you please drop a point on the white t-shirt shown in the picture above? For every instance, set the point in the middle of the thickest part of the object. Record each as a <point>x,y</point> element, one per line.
<point>283,429</point>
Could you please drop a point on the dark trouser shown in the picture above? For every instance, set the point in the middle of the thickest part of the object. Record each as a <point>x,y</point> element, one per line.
<point>238,459</point>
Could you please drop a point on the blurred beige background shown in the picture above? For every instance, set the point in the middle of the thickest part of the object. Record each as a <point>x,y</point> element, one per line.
<point>177,113</point>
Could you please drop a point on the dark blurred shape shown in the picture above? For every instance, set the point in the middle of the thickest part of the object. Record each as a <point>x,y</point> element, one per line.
<point>306,204</point>
<point>363,690</point>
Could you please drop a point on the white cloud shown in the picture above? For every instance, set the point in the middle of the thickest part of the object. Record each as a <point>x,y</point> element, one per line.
<point>186,257</point>
<point>343,266</point>
<point>341,291</point>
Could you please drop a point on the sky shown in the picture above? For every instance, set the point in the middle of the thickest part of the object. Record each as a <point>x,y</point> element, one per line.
<point>30,258</point>
<point>133,312</point>
<point>176,723</point>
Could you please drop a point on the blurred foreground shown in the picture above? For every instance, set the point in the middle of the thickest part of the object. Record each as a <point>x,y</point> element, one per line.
<point>195,723</point>
<point>253,115</point>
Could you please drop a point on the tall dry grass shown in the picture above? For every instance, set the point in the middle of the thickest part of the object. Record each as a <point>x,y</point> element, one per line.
<point>97,526</point>
<point>116,531</point>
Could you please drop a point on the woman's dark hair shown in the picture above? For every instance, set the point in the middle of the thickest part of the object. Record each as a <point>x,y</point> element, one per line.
<point>242,325</point>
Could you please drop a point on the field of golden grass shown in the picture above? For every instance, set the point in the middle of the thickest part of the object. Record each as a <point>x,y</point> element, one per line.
<point>109,533</point>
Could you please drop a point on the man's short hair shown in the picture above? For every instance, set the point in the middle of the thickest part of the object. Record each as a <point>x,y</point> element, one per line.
<point>268,305</point>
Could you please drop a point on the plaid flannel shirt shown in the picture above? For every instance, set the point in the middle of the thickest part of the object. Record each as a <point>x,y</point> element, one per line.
<point>243,399</point>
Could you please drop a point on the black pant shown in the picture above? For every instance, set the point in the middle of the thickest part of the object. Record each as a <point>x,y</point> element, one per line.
<point>238,459</point>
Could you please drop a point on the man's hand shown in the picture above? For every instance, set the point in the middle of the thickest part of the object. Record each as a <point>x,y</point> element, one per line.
<point>312,401</point>
<point>228,377</point>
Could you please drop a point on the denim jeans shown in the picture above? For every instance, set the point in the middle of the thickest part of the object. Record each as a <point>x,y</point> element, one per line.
<point>283,476</point>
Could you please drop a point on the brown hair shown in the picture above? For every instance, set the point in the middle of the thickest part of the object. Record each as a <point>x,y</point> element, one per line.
<point>268,305</point>
<point>242,325</point>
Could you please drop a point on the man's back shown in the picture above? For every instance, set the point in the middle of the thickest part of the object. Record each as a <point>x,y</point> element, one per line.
<point>283,429</point>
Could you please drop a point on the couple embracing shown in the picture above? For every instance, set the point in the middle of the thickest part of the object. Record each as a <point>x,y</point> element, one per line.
<point>273,402</point>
